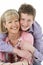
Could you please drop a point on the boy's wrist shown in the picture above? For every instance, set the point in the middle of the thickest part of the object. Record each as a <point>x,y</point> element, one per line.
<point>15,50</point>
<point>33,50</point>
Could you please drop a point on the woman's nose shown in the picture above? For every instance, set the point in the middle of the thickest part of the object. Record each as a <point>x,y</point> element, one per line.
<point>13,23</point>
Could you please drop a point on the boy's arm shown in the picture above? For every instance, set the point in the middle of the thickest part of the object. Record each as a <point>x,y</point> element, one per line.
<point>3,63</point>
<point>23,53</point>
<point>4,47</point>
<point>16,63</point>
<point>38,42</point>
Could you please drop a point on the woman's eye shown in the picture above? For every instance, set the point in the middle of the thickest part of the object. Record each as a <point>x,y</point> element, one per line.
<point>10,21</point>
<point>16,20</point>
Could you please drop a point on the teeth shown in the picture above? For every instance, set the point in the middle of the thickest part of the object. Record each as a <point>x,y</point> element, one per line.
<point>14,28</point>
<point>24,26</point>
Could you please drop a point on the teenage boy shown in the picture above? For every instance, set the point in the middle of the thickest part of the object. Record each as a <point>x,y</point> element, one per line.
<point>27,21</point>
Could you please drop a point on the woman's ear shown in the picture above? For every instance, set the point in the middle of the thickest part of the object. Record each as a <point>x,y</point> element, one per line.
<point>0,24</point>
<point>4,25</point>
<point>4,28</point>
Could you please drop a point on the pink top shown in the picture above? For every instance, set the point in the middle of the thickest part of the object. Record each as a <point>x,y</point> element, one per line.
<point>24,37</point>
<point>27,37</point>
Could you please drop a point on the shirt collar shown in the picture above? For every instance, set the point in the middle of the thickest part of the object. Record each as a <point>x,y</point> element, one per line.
<point>31,29</point>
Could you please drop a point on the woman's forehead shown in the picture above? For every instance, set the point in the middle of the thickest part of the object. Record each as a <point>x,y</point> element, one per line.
<point>11,17</point>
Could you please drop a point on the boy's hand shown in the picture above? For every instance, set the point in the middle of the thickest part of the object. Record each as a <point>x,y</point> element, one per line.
<point>23,53</point>
<point>27,46</point>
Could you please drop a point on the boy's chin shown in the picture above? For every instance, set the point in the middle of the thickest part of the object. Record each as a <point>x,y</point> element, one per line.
<point>25,29</point>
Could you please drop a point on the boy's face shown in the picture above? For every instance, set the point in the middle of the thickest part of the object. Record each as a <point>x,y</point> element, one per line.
<point>26,21</point>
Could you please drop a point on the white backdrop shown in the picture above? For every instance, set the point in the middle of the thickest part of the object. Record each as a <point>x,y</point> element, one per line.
<point>38,4</point>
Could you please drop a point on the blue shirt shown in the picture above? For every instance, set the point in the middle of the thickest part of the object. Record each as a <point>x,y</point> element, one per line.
<point>38,42</point>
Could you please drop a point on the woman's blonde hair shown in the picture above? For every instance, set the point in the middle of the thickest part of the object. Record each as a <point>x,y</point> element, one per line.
<point>4,15</point>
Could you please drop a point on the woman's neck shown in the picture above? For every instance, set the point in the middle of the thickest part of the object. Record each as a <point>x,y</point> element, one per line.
<point>13,38</point>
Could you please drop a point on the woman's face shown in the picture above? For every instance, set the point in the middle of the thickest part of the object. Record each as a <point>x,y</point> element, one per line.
<point>12,24</point>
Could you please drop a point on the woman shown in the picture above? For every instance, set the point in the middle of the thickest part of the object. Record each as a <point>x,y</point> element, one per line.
<point>10,26</point>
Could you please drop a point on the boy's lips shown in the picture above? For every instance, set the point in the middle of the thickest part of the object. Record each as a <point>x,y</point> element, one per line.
<point>24,26</point>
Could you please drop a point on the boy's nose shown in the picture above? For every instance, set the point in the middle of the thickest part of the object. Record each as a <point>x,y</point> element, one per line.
<point>25,23</point>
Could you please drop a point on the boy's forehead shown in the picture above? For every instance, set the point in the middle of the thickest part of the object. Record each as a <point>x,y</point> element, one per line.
<point>28,14</point>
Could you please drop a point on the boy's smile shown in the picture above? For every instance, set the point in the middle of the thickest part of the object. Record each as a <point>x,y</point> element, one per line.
<point>26,21</point>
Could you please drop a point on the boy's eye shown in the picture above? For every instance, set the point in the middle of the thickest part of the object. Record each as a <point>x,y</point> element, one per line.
<point>29,20</point>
